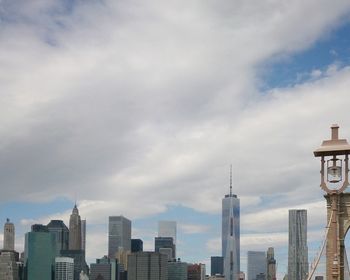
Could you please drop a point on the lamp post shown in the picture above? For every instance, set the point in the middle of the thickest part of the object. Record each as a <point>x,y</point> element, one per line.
<point>334,180</point>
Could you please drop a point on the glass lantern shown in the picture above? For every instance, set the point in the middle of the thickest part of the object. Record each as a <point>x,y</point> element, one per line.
<point>334,170</point>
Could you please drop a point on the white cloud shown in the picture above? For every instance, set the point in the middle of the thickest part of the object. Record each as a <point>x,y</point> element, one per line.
<point>193,228</point>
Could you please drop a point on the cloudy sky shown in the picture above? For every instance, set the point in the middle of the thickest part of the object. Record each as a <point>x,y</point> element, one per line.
<point>139,107</point>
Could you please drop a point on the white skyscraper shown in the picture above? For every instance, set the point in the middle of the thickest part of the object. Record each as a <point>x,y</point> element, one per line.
<point>230,235</point>
<point>298,266</point>
<point>167,229</point>
<point>64,268</point>
<point>9,236</point>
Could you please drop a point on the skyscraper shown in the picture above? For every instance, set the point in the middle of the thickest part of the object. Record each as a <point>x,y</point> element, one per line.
<point>147,266</point>
<point>64,268</point>
<point>177,270</point>
<point>136,245</point>
<point>61,232</point>
<point>40,252</point>
<point>165,243</point>
<point>119,235</point>
<point>8,266</point>
<point>83,235</point>
<point>75,230</point>
<point>256,265</point>
<point>217,265</point>
<point>271,264</point>
<point>298,266</point>
<point>168,229</point>
<point>9,236</point>
<point>230,235</point>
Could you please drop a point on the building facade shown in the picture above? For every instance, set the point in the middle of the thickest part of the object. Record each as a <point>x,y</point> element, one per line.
<point>64,268</point>
<point>9,236</point>
<point>39,254</point>
<point>136,245</point>
<point>177,270</point>
<point>217,265</point>
<point>75,230</point>
<point>104,268</point>
<point>165,245</point>
<point>119,235</point>
<point>298,266</point>
<point>8,266</point>
<point>147,266</point>
<point>256,265</point>
<point>83,235</point>
<point>61,232</point>
<point>230,236</point>
<point>271,264</point>
<point>79,261</point>
<point>168,229</point>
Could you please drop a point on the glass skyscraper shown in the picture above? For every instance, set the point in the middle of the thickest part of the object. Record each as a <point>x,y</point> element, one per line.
<point>119,235</point>
<point>230,235</point>
<point>256,265</point>
<point>298,266</point>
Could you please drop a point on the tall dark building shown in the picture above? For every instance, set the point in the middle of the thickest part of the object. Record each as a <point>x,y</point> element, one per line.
<point>61,233</point>
<point>217,265</point>
<point>136,245</point>
<point>147,266</point>
<point>165,245</point>
<point>75,230</point>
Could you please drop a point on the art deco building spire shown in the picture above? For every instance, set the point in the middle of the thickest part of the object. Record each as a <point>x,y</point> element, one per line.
<point>75,230</point>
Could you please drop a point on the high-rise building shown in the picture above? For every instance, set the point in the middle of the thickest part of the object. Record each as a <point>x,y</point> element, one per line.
<point>217,265</point>
<point>40,252</point>
<point>119,235</point>
<point>61,233</point>
<point>136,245</point>
<point>167,243</point>
<point>298,266</point>
<point>105,269</point>
<point>8,265</point>
<point>147,266</point>
<point>194,272</point>
<point>9,236</point>
<point>271,264</point>
<point>256,265</point>
<point>64,268</point>
<point>177,270</point>
<point>230,235</point>
<point>167,229</point>
<point>83,235</point>
<point>79,261</point>
<point>75,230</point>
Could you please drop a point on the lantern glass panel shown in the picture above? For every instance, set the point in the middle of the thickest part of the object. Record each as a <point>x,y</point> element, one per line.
<point>334,170</point>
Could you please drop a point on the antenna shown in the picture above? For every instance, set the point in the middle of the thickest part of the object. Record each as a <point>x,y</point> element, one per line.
<point>231,180</point>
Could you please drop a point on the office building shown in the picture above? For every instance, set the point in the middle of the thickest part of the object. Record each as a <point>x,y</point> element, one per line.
<point>195,272</point>
<point>83,235</point>
<point>177,270</point>
<point>136,245</point>
<point>165,245</point>
<point>147,266</point>
<point>298,266</point>
<point>271,264</point>
<point>79,261</point>
<point>105,269</point>
<point>64,268</point>
<point>75,230</point>
<point>167,229</point>
<point>40,252</point>
<point>256,265</point>
<point>61,233</point>
<point>8,265</point>
<point>217,265</point>
<point>119,235</point>
<point>230,235</point>
<point>9,236</point>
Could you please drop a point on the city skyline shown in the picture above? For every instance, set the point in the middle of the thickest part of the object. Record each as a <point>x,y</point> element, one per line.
<point>118,104</point>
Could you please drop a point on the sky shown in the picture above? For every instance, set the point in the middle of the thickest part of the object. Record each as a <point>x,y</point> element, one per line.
<point>138,108</point>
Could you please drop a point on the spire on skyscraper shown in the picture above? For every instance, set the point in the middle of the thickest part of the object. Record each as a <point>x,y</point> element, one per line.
<point>231,180</point>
